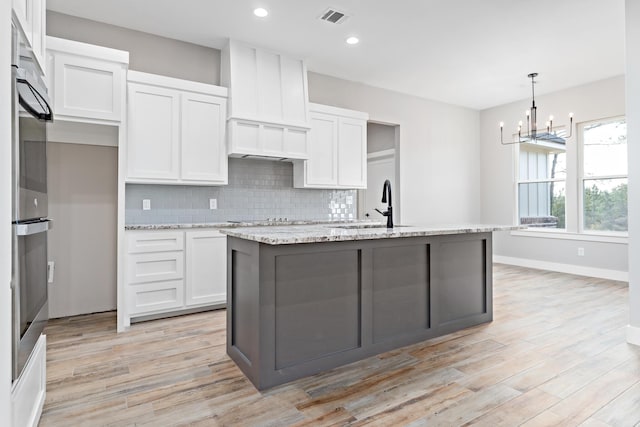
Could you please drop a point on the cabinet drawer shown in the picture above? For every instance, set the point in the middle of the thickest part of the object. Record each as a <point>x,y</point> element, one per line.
<point>150,297</point>
<point>154,267</point>
<point>155,241</point>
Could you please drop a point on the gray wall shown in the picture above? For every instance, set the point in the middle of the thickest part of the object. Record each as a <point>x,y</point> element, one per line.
<point>148,53</point>
<point>593,101</point>
<point>83,203</point>
<point>380,137</point>
<point>438,148</point>
<point>257,190</point>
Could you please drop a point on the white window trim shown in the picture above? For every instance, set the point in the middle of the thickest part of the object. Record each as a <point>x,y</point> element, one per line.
<point>581,178</point>
<point>621,239</point>
<point>516,190</point>
<point>573,184</point>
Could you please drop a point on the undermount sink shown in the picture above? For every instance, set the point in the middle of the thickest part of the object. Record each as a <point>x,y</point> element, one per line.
<point>359,226</point>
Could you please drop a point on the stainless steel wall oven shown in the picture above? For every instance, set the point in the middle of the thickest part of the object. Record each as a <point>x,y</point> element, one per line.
<point>31,111</point>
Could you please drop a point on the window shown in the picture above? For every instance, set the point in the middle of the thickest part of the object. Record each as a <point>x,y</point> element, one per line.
<point>578,187</point>
<point>542,185</point>
<point>604,176</point>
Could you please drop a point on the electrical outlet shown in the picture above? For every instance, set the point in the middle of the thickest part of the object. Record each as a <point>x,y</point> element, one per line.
<point>51,269</point>
<point>580,251</point>
<point>146,204</point>
<point>213,204</point>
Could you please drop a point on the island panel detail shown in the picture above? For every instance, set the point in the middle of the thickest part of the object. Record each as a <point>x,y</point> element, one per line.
<point>298,309</point>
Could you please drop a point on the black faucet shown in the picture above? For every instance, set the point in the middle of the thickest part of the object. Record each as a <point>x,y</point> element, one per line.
<point>386,188</point>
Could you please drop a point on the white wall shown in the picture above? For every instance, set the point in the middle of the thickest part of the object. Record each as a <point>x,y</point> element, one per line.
<point>632,13</point>
<point>605,98</point>
<point>439,150</point>
<point>5,213</point>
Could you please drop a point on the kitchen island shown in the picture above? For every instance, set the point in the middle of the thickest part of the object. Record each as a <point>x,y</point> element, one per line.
<point>304,299</point>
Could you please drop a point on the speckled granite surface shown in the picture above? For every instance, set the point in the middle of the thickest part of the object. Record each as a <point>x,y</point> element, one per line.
<point>286,235</point>
<point>235,224</point>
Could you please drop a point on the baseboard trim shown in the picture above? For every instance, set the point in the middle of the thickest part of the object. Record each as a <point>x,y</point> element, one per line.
<point>633,335</point>
<point>601,273</point>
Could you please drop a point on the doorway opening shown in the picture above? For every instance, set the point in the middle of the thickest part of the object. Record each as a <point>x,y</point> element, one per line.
<point>383,160</point>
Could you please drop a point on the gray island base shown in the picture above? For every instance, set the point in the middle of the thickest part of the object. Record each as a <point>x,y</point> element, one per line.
<point>296,309</point>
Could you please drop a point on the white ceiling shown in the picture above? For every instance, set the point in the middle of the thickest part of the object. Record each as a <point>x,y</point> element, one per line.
<point>474,53</point>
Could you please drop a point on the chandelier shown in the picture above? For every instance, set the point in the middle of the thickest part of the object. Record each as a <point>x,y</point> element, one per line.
<point>532,134</point>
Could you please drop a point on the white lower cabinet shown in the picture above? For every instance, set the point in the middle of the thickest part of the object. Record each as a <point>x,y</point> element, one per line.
<point>29,391</point>
<point>169,271</point>
<point>206,267</point>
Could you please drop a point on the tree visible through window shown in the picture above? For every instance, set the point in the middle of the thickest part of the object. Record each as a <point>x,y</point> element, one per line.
<point>604,176</point>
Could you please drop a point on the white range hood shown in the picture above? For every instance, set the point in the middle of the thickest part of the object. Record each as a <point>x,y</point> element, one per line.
<point>268,114</point>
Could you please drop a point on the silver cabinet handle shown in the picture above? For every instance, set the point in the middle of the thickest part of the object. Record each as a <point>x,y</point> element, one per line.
<point>31,228</point>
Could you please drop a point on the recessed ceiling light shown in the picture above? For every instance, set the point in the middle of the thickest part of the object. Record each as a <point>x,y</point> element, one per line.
<point>353,40</point>
<point>260,12</point>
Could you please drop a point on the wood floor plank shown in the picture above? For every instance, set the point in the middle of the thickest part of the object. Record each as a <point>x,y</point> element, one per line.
<point>624,410</point>
<point>554,355</point>
<point>581,405</point>
<point>517,411</point>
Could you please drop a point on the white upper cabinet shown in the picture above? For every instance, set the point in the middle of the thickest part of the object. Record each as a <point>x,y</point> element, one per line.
<point>268,102</point>
<point>322,168</point>
<point>30,17</point>
<point>337,150</point>
<point>203,122</point>
<point>352,152</point>
<point>153,132</point>
<point>87,82</point>
<point>23,13</point>
<point>39,32</point>
<point>176,131</point>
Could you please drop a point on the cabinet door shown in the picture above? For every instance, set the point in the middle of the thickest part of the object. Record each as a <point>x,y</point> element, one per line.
<point>153,133</point>
<point>204,154</point>
<point>206,273</point>
<point>38,20</point>
<point>23,10</point>
<point>321,167</point>
<point>28,393</point>
<point>87,88</point>
<point>352,153</point>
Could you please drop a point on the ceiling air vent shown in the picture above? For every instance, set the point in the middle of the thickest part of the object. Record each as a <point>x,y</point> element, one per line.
<point>333,16</point>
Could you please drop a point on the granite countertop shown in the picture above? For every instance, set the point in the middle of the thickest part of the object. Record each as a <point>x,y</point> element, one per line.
<point>237,224</point>
<point>286,235</point>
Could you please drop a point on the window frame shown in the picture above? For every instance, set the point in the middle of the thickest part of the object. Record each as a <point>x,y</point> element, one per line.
<point>518,181</point>
<point>581,178</point>
<point>574,197</point>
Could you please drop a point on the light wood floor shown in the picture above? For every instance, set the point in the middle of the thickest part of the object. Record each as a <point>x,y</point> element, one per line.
<point>554,355</point>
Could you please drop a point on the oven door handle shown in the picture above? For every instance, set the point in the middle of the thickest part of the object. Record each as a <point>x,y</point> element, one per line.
<point>28,229</point>
<point>46,113</point>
